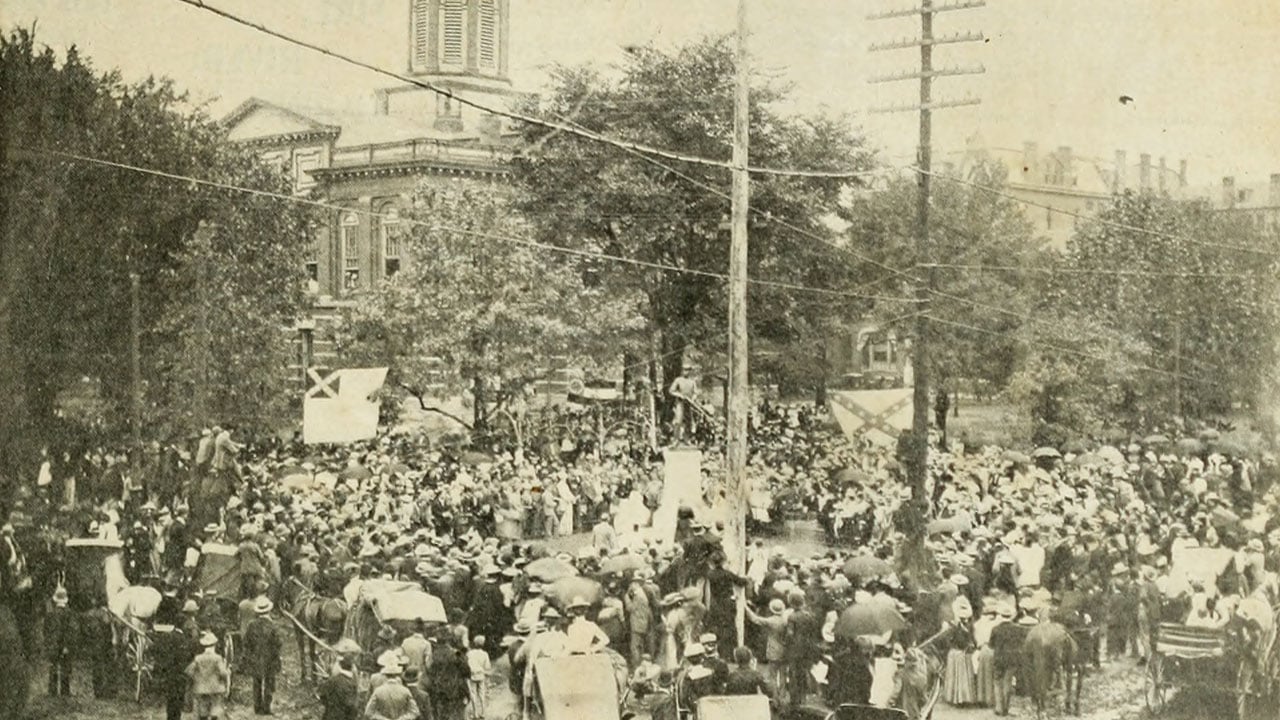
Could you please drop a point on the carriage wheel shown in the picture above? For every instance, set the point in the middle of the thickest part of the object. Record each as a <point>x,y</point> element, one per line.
<point>1155,688</point>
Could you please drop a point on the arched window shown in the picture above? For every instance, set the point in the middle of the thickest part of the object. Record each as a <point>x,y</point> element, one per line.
<point>392,241</point>
<point>348,233</point>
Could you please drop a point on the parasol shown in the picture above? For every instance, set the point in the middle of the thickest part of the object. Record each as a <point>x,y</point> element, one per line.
<point>298,480</point>
<point>1045,452</point>
<point>865,566</point>
<point>1156,439</point>
<point>1209,434</point>
<point>1088,460</point>
<point>1111,455</point>
<point>957,524</point>
<point>1075,446</point>
<point>851,475</point>
<point>1016,457</point>
<point>355,472</point>
<point>563,591</point>
<point>868,619</point>
<point>1190,446</point>
<point>474,458</point>
<point>549,569</point>
<point>627,562</point>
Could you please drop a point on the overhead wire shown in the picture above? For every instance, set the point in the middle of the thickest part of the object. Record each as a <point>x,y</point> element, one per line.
<point>594,254</point>
<point>511,115</point>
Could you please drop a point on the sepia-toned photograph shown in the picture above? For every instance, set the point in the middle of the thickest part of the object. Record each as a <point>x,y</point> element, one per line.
<point>639,359</point>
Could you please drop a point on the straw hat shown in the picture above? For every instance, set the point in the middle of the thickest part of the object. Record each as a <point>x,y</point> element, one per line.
<point>263,606</point>
<point>208,639</point>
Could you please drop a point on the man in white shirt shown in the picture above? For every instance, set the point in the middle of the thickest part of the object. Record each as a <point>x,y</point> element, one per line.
<point>583,636</point>
<point>1030,556</point>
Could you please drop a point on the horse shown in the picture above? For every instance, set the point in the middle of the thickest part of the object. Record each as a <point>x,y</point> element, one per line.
<point>1049,650</point>
<point>316,616</point>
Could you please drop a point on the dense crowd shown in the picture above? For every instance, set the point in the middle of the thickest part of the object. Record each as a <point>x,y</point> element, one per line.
<point>1095,540</point>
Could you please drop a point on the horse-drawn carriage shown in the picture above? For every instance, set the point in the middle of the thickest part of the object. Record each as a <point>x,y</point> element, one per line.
<point>1238,657</point>
<point>398,605</point>
<point>218,578</point>
<point>94,578</point>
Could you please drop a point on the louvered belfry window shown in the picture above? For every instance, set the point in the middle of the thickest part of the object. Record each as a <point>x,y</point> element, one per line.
<point>488,34</point>
<point>453,23</point>
<point>421,51</point>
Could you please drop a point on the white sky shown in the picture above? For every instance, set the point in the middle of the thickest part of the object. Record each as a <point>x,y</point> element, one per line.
<point>1203,72</point>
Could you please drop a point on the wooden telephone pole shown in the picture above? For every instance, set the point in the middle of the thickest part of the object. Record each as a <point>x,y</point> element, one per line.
<point>917,467</point>
<point>739,393</point>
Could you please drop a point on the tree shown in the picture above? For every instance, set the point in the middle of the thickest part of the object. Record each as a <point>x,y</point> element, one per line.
<point>673,213</point>
<point>479,311</point>
<point>977,312</point>
<point>1197,288</point>
<point>73,232</point>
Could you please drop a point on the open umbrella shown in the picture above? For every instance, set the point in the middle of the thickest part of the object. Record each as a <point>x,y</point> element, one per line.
<point>865,566</point>
<point>563,591</point>
<point>549,569</point>
<point>1088,460</point>
<point>957,524</point>
<point>868,619</point>
<point>474,458</point>
<point>1016,457</point>
<point>1190,446</point>
<point>627,562</point>
<point>1209,434</point>
<point>1111,455</point>
<point>851,475</point>
<point>1046,452</point>
<point>299,480</point>
<point>355,472</point>
<point>1156,439</point>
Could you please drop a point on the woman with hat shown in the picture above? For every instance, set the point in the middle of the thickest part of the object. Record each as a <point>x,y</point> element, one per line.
<point>958,681</point>
<point>210,679</point>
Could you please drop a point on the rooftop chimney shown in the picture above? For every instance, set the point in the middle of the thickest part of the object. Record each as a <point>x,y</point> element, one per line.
<point>1182,173</point>
<point>1122,171</point>
<point>1164,170</point>
<point>381,102</point>
<point>1029,162</point>
<point>1144,172</point>
<point>1273,197</point>
<point>1228,191</point>
<point>1068,166</point>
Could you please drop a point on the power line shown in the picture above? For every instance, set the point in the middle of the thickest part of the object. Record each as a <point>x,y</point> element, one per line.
<point>1056,348</point>
<point>521,117</point>
<point>461,231</point>
<point>1091,271</point>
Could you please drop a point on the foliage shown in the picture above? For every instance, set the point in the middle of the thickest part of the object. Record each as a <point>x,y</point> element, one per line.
<point>73,232</point>
<point>659,211</point>
<point>475,311</point>
<point>977,313</point>
<point>1205,311</point>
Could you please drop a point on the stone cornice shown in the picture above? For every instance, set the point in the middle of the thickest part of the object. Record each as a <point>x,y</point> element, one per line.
<point>409,167</point>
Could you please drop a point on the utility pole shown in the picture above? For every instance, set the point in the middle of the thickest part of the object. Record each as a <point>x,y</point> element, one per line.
<point>135,367</point>
<point>203,246</point>
<point>739,393</point>
<point>917,465</point>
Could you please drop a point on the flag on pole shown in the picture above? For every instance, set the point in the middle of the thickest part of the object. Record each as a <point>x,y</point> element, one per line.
<point>879,414</point>
<point>337,408</point>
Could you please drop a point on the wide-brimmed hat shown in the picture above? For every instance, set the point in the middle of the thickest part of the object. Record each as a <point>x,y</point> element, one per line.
<point>777,607</point>
<point>60,597</point>
<point>1028,620</point>
<point>208,639</point>
<point>672,599</point>
<point>263,606</point>
<point>693,650</point>
<point>578,602</point>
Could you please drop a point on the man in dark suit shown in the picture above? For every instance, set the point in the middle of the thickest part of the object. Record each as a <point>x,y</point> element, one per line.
<point>59,635</point>
<point>338,693</point>
<point>746,679</point>
<point>262,656</point>
<point>173,651</point>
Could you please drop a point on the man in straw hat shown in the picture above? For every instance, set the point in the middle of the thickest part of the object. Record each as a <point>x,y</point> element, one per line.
<point>262,656</point>
<point>210,679</point>
<point>391,700</point>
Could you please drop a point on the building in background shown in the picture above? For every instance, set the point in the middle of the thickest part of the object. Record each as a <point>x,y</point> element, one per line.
<point>370,162</point>
<point>1259,202</point>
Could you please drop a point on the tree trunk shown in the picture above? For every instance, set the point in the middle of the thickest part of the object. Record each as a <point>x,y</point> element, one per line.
<point>672,366</point>
<point>480,410</point>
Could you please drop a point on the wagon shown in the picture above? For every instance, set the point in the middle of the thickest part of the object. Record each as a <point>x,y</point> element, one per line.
<point>1230,660</point>
<point>94,578</point>
<point>218,579</point>
<point>580,686</point>
<point>398,605</point>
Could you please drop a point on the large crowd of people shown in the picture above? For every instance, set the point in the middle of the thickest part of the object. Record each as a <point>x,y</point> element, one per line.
<point>1097,540</point>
